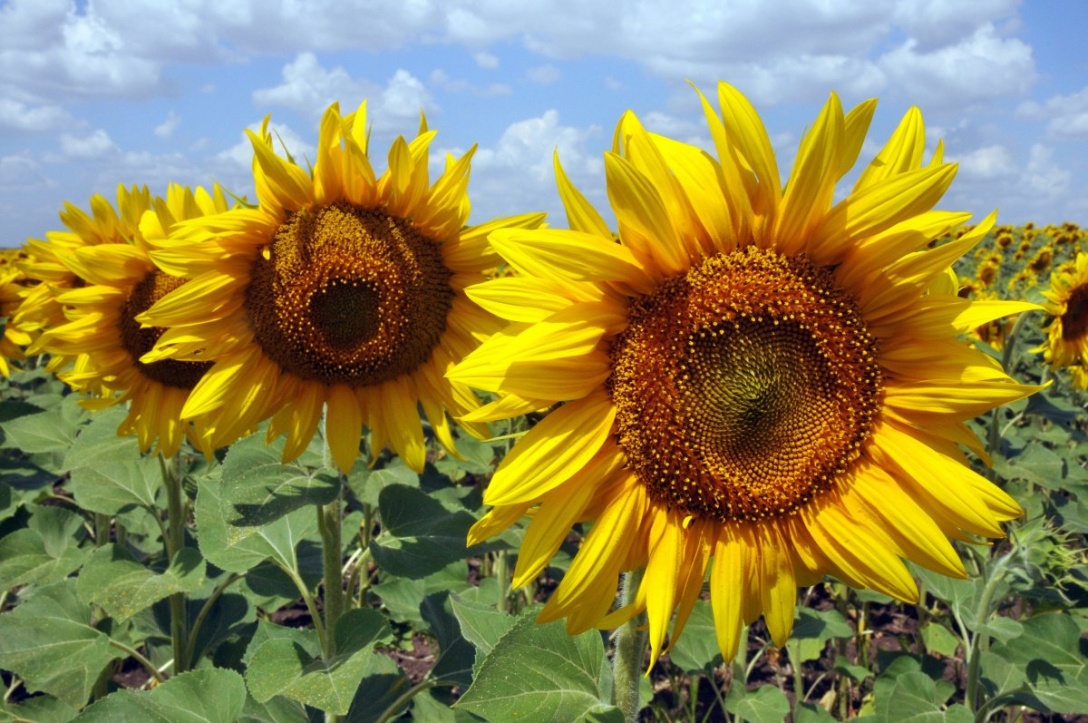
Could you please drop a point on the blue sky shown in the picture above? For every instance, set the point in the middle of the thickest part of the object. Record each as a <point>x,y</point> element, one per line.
<point>99,92</point>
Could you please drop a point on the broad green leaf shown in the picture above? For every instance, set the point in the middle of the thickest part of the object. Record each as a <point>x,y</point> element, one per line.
<point>402,597</point>
<point>381,688</point>
<point>306,638</point>
<point>239,549</point>
<point>1002,629</point>
<point>858,672</point>
<point>1036,464</point>
<point>283,667</point>
<point>274,710</point>
<point>421,536</point>
<point>230,615</point>
<point>477,458</point>
<point>261,490</point>
<point>48,642</point>
<point>766,704</point>
<point>122,586</point>
<point>99,444</point>
<point>999,675</point>
<point>541,670</point>
<point>29,558</point>
<point>914,697</point>
<point>48,431</point>
<point>813,628</point>
<point>1055,663</point>
<point>359,628</point>
<point>697,651</point>
<point>962,596</point>
<point>119,485</point>
<point>208,695</point>
<point>367,484</point>
<point>40,709</point>
<point>939,639</point>
<point>811,713</point>
<point>481,624</point>
<point>455,654</point>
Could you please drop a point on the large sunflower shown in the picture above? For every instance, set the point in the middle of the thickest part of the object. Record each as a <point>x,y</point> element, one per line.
<point>1067,304</point>
<point>341,290</point>
<point>14,286</point>
<point>753,380</point>
<point>118,282</point>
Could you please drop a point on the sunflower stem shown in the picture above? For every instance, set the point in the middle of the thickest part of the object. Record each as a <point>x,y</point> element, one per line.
<point>981,642</point>
<point>175,542</point>
<point>329,523</point>
<point>630,651</point>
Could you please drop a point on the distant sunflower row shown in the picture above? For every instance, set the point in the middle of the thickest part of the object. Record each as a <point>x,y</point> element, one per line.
<point>749,380</point>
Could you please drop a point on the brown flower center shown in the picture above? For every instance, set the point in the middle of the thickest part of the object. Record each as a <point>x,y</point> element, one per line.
<point>349,295</point>
<point>744,388</point>
<point>138,340</point>
<point>1075,318</point>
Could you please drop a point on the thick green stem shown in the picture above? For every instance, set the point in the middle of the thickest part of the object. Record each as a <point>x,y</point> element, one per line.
<point>329,523</point>
<point>175,542</point>
<point>502,575</point>
<point>630,652</point>
<point>981,642</point>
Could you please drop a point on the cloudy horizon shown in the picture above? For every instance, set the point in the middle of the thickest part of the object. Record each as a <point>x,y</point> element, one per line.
<point>103,92</point>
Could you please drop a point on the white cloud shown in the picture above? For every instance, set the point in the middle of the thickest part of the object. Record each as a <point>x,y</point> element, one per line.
<point>168,126</point>
<point>515,175</point>
<point>1067,114</point>
<point>438,79</point>
<point>980,67</point>
<point>544,74</point>
<point>309,88</point>
<point>18,116</point>
<point>486,60</point>
<point>93,145</point>
<point>988,162</point>
<point>1043,175</point>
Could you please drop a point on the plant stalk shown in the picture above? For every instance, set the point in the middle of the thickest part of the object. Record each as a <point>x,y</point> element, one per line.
<point>630,652</point>
<point>175,542</point>
<point>329,523</point>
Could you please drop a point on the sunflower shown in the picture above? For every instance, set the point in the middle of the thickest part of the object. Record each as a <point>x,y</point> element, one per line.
<point>118,282</point>
<point>105,224</point>
<point>340,290</point>
<point>755,381</point>
<point>14,287</point>
<point>1066,343</point>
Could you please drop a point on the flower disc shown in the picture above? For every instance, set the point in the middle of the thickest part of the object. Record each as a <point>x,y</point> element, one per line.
<point>138,339</point>
<point>744,387</point>
<point>349,295</point>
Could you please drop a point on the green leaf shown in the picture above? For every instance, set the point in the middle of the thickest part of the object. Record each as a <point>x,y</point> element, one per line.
<point>1036,464</point>
<point>239,549</point>
<point>48,642</point>
<point>696,651</point>
<point>541,671</point>
<point>274,710</point>
<point>1002,629</point>
<point>961,596</point>
<point>381,688</point>
<point>914,697</point>
<point>48,431</point>
<point>402,597</point>
<point>481,624</point>
<point>859,673</point>
<point>999,675</point>
<point>813,628</point>
<point>421,536</point>
<point>765,704</point>
<point>26,559</point>
<point>125,482</point>
<point>261,489</point>
<point>283,667</point>
<point>359,628</point>
<point>40,709</point>
<point>811,713</point>
<point>1055,663</point>
<point>455,654</point>
<point>122,586</point>
<point>208,695</point>
<point>939,639</point>
<point>306,638</point>
<point>367,484</point>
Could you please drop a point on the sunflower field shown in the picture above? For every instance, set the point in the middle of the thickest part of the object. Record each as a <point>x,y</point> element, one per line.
<point>775,446</point>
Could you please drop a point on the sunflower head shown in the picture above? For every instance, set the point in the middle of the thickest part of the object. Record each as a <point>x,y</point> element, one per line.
<point>752,379</point>
<point>342,289</point>
<point>1067,307</point>
<point>116,282</point>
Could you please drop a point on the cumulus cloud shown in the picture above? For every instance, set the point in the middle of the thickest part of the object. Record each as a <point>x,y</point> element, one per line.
<point>21,117</point>
<point>544,74</point>
<point>486,60</point>
<point>988,162</point>
<point>980,67</point>
<point>168,126</point>
<point>92,145</point>
<point>308,88</point>
<point>515,174</point>
<point>1043,175</point>
<point>1067,115</point>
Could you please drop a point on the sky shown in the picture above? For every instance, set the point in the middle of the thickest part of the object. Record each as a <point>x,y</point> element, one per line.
<point>96,93</point>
